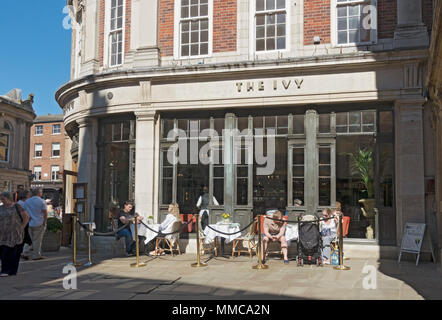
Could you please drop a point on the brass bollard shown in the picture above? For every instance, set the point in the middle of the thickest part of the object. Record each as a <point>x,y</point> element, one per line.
<point>198,263</point>
<point>138,264</point>
<point>341,247</point>
<point>74,241</point>
<point>260,265</point>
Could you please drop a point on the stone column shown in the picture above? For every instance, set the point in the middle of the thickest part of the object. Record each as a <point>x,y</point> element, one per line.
<point>410,163</point>
<point>410,31</point>
<point>87,161</point>
<point>311,163</point>
<point>146,164</point>
<point>144,41</point>
<point>90,25</point>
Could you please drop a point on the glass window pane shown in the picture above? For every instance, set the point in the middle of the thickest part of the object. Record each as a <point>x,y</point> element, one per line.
<point>242,192</point>
<point>342,37</point>
<point>259,5</point>
<point>204,11</point>
<point>194,11</point>
<point>298,124</point>
<point>185,51</point>
<point>324,123</point>
<point>298,191</point>
<point>260,32</point>
<point>185,26</point>
<point>281,43</point>
<point>281,30</point>
<point>271,31</point>
<point>324,192</point>
<point>342,11</point>
<point>194,50</point>
<point>270,4</point>
<point>204,48</point>
<point>324,155</point>
<point>258,122</point>
<point>204,36</point>
<point>270,19</point>
<point>270,44</point>
<point>280,4</point>
<point>353,36</point>
<point>260,20</point>
<point>218,190</point>
<point>281,18</point>
<point>353,23</point>
<point>185,37</point>
<point>353,10</point>
<point>167,191</point>
<point>342,24</point>
<point>260,45</point>
<point>298,156</point>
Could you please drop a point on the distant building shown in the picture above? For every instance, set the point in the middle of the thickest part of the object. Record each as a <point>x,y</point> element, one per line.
<point>16,118</point>
<point>47,153</point>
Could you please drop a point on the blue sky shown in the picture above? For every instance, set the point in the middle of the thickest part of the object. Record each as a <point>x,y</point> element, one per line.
<point>34,50</point>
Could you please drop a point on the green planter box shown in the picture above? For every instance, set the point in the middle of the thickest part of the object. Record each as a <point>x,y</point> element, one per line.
<point>51,241</point>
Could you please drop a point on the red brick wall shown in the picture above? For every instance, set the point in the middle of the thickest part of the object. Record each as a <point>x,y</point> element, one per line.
<point>387,18</point>
<point>316,21</point>
<point>224,25</point>
<point>427,13</point>
<point>127,27</point>
<point>166,27</point>
<point>101,23</point>
<point>46,161</point>
<point>101,31</point>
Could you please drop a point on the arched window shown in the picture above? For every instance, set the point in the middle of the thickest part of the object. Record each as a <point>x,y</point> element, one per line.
<point>5,141</point>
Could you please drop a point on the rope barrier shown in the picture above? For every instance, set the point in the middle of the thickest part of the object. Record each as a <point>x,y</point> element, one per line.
<point>299,221</point>
<point>231,234</point>
<point>103,234</point>
<point>170,233</point>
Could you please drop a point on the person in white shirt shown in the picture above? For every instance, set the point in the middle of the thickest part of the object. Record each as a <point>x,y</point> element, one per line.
<point>37,209</point>
<point>203,205</point>
<point>167,225</point>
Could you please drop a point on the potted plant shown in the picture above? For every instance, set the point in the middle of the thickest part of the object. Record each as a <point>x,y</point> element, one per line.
<point>52,237</point>
<point>226,218</point>
<point>363,166</point>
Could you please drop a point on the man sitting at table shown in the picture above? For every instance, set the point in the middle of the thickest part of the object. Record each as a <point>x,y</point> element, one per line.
<point>124,217</point>
<point>274,230</point>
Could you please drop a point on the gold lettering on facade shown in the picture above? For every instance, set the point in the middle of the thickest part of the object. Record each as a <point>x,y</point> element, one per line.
<point>261,85</point>
<point>239,86</point>
<point>249,86</point>
<point>275,84</point>
<point>299,83</point>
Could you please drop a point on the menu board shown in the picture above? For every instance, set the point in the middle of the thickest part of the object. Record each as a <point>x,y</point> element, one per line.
<point>413,237</point>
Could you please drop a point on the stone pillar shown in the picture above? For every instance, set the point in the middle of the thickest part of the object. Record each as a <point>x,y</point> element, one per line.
<point>311,163</point>
<point>90,25</point>
<point>144,41</point>
<point>410,163</point>
<point>146,164</point>
<point>87,161</point>
<point>410,31</point>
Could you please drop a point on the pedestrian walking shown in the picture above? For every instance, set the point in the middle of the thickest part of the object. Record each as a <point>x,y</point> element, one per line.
<point>13,219</point>
<point>22,197</point>
<point>37,209</point>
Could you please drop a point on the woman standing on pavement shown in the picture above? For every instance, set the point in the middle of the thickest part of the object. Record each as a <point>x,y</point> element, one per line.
<point>13,220</point>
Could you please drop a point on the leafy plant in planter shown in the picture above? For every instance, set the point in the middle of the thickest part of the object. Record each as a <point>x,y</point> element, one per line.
<point>52,237</point>
<point>363,166</point>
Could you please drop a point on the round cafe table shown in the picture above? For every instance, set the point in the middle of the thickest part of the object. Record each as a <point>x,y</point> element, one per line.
<point>225,228</point>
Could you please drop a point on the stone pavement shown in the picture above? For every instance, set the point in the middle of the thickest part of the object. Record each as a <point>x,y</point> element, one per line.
<point>224,279</point>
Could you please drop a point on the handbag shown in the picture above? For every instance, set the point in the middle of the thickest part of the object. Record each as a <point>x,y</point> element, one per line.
<point>27,238</point>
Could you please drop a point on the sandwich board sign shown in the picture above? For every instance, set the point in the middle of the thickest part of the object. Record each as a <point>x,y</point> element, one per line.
<point>412,239</point>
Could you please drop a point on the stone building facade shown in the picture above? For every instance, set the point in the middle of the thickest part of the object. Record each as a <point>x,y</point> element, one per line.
<point>16,117</point>
<point>327,82</point>
<point>47,152</point>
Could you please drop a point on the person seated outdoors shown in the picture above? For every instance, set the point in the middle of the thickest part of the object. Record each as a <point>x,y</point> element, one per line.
<point>124,217</point>
<point>275,231</point>
<point>328,229</point>
<point>167,225</point>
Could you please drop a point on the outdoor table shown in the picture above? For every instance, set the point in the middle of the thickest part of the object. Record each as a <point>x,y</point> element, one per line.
<point>144,232</point>
<point>223,227</point>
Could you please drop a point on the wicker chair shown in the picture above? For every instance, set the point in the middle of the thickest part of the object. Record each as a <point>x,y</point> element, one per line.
<point>172,241</point>
<point>203,245</point>
<point>249,238</point>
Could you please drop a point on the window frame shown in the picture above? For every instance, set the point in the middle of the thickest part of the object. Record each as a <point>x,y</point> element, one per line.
<point>252,29</point>
<point>8,148</point>
<point>34,172</point>
<point>177,32</point>
<point>38,134</point>
<point>52,173</point>
<point>334,23</point>
<point>108,34</point>
<point>52,149</point>
<point>59,126</point>
<point>35,150</point>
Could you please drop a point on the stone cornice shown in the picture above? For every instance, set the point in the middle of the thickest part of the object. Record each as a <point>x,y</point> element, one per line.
<point>237,69</point>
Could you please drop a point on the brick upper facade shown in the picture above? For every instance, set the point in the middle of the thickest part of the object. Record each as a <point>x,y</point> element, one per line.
<point>46,139</point>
